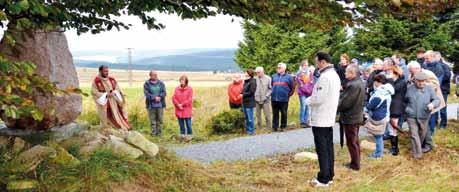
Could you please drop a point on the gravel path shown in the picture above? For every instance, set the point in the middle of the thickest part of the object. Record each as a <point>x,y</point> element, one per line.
<point>254,147</point>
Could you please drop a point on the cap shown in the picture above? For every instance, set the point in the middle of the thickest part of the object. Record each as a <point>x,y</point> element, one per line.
<point>420,76</point>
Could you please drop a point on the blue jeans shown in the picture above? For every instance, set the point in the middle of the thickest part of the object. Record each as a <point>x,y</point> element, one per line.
<point>444,113</point>
<point>249,123</point>
<point>185,122</point>
<point>433,121</point>
<point>304,110</point>
<point>379,146</point>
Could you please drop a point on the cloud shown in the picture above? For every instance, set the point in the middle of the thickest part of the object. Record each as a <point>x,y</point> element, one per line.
<point>213,32</point>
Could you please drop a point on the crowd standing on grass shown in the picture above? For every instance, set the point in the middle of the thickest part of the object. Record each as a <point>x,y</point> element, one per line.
<point>379,98</point>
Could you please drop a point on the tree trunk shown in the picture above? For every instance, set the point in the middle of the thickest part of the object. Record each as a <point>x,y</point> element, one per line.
<point>49,51</point>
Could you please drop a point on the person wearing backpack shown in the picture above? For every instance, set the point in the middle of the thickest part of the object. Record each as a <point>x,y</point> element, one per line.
<point>378,112</point>
<point>305,84</point>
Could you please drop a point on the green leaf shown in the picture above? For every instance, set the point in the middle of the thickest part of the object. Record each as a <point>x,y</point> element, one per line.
<point>37,115</point>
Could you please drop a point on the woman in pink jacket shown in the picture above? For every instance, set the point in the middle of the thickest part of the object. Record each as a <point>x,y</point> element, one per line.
<point>183,102</point>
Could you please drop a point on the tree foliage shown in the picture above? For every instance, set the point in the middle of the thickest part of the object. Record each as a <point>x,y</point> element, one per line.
<point>267,45</point>
<point>17,83</point>
<point>389,35</point>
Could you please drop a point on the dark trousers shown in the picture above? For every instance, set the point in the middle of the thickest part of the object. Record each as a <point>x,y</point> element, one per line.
<point>235,106</point>
<point>353,145</point>
<point>281,107</point>
<point>444,112</point>
<point>323,140</point>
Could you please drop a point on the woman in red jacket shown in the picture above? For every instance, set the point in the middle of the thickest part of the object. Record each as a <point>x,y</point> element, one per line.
<point>183,103</point>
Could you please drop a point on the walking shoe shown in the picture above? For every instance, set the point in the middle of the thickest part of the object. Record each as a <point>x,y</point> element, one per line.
<point>303,125</point>
<point>316,183</point>
<point>348,165</point>
<point>394,145</point>
<point>374,157</point>
<point>426,150</point>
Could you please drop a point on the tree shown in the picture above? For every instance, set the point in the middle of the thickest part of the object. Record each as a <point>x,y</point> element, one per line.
<point>267,45</point>
<point>388,35</point>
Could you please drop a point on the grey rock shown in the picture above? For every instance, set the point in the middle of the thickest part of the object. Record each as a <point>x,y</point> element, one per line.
<point>119,147</point>
<point>49,51</point>
<point>18,144</point>
<point>30,159</point>
<point>138,140</point>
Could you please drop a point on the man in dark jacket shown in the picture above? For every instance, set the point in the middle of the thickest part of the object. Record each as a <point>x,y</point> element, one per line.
<point>445,88</point>
<point>155,94</point>
<point>350,106</point>
<point>433,65</point>
<point>282,88</point>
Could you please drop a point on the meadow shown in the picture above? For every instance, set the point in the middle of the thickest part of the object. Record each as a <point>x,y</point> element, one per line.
<point>209,99</point>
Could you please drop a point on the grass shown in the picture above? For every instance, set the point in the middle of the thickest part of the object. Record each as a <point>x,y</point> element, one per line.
<point>103,171</point>
<point>452,96</point>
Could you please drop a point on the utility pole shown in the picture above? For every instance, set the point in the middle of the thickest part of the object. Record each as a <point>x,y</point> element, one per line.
<point>130,65</point>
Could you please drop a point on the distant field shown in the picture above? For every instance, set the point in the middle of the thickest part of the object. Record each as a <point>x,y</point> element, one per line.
<point>197,79</point>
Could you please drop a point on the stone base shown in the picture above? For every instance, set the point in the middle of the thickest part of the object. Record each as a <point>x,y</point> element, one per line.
<point>36,137</point>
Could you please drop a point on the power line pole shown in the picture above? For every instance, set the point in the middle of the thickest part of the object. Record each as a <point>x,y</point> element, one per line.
<point>130,65</point>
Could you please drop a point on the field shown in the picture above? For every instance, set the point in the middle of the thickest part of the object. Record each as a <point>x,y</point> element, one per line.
<point>210,98</point>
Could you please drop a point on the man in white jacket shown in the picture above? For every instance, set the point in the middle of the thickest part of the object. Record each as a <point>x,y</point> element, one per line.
<point>324,104</point>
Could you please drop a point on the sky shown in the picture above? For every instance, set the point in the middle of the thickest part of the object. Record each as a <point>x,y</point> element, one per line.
<point>212,32</point>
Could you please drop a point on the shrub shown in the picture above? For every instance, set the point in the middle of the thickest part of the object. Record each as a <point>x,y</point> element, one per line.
<point>231,121</point>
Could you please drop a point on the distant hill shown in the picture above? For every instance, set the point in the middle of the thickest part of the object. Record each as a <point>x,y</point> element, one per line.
<point>203,60</point>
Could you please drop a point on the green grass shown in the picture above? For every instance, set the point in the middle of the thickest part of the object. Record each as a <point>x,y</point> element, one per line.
<point>208,101</point>
<point>103,171</point>
<point>452,96</point>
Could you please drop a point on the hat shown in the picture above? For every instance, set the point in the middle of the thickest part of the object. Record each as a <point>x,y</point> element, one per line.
<point>421,76</point>
<point>354,60</point>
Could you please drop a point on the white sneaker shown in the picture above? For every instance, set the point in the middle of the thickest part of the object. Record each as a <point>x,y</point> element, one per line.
<point>316,183</point>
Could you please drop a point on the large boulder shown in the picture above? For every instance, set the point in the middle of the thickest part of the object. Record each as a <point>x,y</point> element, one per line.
<point>50,52</point>
<point>138,140</point>
<point>30,159</point>
<point>119,147</point>
<point>86,141</point>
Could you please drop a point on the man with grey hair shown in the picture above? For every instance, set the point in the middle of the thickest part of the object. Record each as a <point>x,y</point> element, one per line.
<point>350,107</point>
<point>421,100</point>
<point>263,97</point>
<point>155,100</point>
<point>432,80</point>
<point>283,86</point>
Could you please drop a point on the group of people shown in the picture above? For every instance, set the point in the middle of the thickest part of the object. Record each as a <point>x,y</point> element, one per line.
<point>110,103</point>
<point>379,98</point>
<point>265,94</point>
